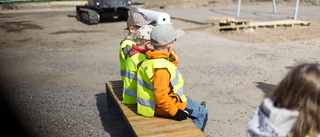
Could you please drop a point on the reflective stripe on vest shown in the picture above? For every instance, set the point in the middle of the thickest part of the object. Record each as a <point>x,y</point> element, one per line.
<point>145,89</point>
<point>146,102</point>
<point>174,82</point>
<point>129,92</point>
<point>143,83</point>
<point>123,44</point>
<point>130,78</point>
<point>129,75</point>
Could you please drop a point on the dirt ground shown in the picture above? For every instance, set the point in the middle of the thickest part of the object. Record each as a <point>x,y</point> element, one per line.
<point>53,67</point>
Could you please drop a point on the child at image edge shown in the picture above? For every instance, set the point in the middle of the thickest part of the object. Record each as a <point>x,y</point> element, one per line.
<point>160,83</point>
<point>136,56</point>
<point>293,110</point>
<point>134,22</point>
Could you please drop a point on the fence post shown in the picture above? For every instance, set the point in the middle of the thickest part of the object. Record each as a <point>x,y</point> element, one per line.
<point>296,10</point>
<point>239,5</point>
<point>274,6</point>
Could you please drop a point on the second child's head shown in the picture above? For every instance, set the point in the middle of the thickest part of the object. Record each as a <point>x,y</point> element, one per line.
<point>163,37</point>
<point>142,37</point>
<point>300,90</point>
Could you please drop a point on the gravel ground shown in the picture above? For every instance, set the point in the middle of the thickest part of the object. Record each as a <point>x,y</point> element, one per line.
<point>53,67</point>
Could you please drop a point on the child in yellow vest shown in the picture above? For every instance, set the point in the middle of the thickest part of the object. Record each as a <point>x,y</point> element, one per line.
<point>160,83</point>
<point>134,22</point>
<point>293,109</point>
<point>135,57</point>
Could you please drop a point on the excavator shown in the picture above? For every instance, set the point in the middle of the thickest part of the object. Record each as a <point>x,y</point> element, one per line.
<point>96,10</point>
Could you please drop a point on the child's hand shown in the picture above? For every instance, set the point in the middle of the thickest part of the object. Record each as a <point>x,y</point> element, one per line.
<point>181,115</point>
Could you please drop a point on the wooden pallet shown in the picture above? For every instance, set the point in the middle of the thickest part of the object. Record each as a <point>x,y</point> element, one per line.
<point>144,126</point>
<point>274,24</point>
<point>237,25</point>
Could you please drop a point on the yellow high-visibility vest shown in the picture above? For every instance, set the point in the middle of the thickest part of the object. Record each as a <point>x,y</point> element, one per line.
<point>145,89</point>
<point>123,44</point>
<point>129,93</point>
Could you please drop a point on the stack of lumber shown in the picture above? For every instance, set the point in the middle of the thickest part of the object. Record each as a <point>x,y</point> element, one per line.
<point>223,23</point>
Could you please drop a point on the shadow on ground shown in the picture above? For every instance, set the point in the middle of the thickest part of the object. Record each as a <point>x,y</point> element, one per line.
<point>10,123</point>
<point>111,118</point>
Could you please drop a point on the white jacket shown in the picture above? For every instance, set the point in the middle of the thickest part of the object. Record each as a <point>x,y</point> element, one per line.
<point>270,121</point>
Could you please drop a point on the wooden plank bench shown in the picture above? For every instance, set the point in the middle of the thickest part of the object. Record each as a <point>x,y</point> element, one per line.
<point>145,126</point>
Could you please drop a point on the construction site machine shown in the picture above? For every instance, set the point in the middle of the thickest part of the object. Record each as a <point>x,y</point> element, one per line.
<point>96,10</point>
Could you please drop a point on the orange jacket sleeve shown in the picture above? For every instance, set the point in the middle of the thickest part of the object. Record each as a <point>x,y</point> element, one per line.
<point>162,87</point>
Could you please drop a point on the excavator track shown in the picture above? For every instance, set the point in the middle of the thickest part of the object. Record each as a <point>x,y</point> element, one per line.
<point>91,15</point>
<point>96,11</point>
<point>87,15</point>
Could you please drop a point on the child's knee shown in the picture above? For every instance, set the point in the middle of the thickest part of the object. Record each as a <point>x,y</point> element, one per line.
<point>203,110</point>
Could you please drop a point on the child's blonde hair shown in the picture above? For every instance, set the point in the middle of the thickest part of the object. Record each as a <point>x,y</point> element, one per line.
<point>300,90</point>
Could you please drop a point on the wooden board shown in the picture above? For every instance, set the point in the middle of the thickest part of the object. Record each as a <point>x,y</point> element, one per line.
<point>255,25</point>
<point>280,22</point>
<point>155,126</point>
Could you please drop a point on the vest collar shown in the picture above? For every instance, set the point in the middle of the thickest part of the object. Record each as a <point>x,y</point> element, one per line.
<point>157,54</point>
<point>127,38</point>
<point>135,49</point>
